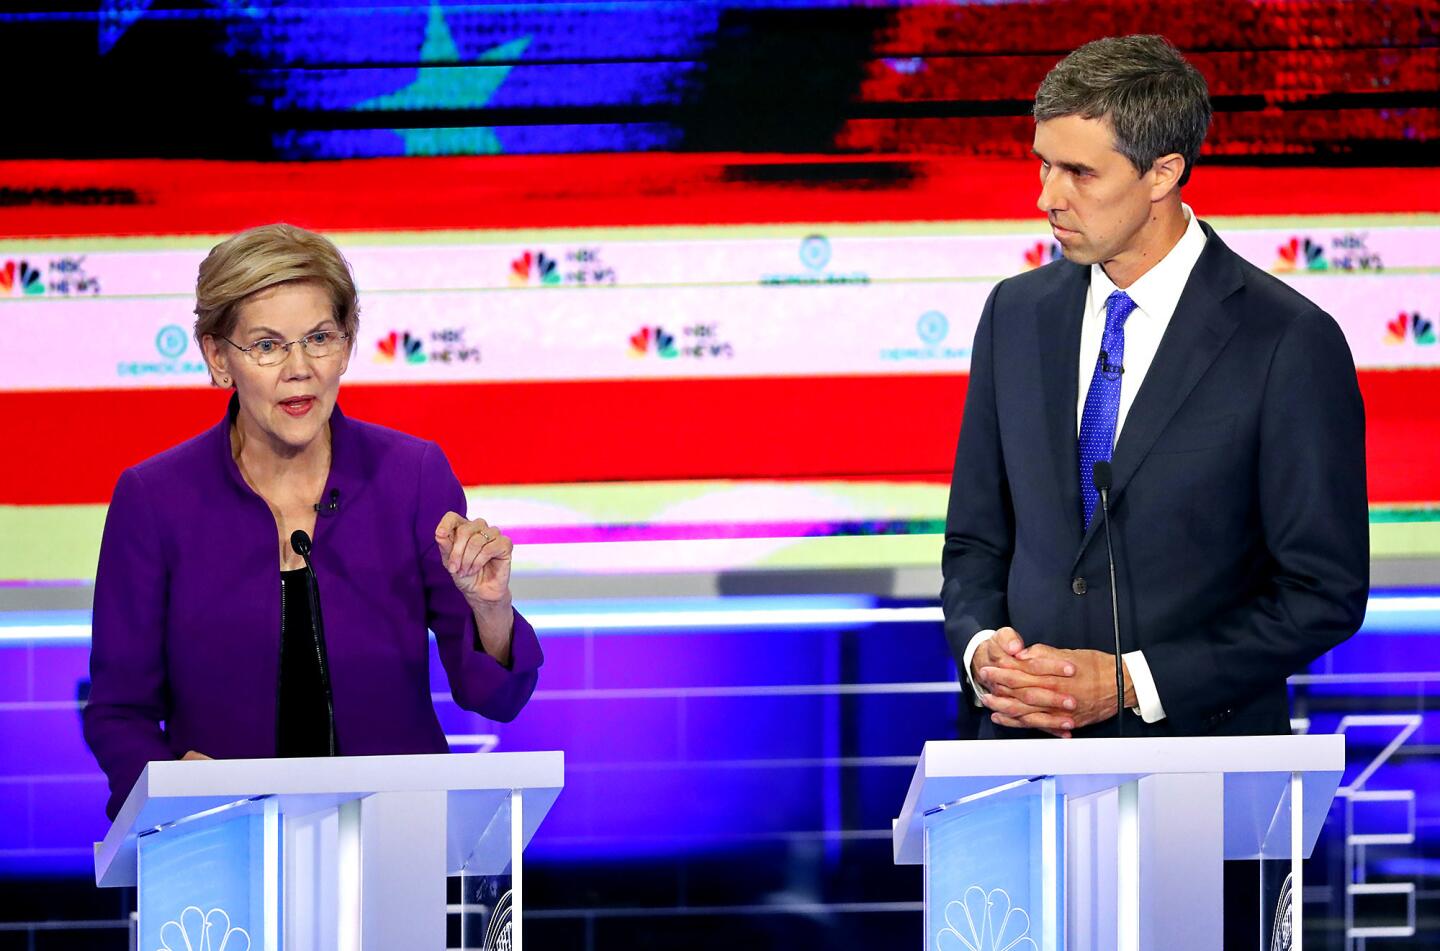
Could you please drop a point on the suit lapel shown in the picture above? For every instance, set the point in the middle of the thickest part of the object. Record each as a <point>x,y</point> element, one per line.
<point>1058,319</point>
<point>1198,331</point>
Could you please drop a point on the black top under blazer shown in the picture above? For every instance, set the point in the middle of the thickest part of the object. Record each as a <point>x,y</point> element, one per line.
<point>1239,506</point>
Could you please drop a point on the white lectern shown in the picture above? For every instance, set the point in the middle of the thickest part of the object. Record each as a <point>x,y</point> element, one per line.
<point>327,854</point>
<point>1083,845</point>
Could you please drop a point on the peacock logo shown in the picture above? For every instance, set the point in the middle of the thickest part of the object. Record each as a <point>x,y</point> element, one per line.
<point>197,930</point>
<point>653,340</point>
<point>20,277</point>
<point>985,921</point>
<point>399,347</point>
<point>537,268</point>
<point>1300,254</point>
<point>1409,324</point>
<point>1041,253</point>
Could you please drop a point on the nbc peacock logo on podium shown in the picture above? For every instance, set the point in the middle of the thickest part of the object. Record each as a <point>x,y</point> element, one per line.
<point>985,921</point>
<point>199,930</point>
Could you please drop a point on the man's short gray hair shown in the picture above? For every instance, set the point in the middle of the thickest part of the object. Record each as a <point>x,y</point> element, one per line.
<point>1156,102</point>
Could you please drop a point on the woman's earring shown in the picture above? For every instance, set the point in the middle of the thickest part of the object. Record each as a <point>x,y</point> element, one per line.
<point>225,381</point>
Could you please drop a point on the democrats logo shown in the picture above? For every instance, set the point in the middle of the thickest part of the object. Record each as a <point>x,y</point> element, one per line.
<point>815,253</point>
<point>173,357</point>
<point>933,330</point>
<point>932,327</point>
<point>172,341</point>
<point>1412,328</point>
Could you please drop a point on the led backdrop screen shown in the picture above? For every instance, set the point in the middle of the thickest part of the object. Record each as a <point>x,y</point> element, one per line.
<point>709,272</point>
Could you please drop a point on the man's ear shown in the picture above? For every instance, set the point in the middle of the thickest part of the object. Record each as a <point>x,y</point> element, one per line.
<point>1166,174</point>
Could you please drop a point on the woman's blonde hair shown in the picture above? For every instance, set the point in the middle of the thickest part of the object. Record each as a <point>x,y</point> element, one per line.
<point>265,256</point>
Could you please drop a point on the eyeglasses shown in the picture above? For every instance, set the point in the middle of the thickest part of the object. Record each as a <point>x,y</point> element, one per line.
<point>270,352</point>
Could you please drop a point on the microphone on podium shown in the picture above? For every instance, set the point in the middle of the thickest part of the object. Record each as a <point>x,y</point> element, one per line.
<point>1103,480</point>
<point>300,541</point>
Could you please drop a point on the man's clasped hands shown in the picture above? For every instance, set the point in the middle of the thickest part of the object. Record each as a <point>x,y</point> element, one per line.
<point>1039,687</point>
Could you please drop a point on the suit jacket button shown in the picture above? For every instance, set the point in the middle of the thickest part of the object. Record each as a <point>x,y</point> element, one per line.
<point>1078,585</point>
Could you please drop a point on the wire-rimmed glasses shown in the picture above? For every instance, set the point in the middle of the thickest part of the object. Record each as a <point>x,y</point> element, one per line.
<point>268,351</point>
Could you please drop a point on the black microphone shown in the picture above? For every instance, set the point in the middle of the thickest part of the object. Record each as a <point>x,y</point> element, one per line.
<point>324,508</point>
<point>1111,370</point>
<point>1103,480</point>
<point>301,543</point>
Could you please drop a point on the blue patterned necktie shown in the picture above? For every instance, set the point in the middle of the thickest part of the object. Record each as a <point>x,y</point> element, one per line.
<point>1102,401</point>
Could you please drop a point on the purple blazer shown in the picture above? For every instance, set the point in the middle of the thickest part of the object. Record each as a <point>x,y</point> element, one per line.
<point>186,646</point>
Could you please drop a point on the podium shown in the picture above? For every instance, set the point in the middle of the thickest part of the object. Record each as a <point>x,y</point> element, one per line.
<point>1081,845</point>
<point>325,854</point>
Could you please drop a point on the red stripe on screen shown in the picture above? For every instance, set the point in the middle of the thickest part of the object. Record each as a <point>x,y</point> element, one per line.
<point>157,197</point>
<point>69,447</point>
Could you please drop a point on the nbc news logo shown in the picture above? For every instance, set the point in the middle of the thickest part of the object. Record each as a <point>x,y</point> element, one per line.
<point>1412,327</point>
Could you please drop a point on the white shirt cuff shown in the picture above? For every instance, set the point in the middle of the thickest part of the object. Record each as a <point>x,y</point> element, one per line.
<point>970,649</point>
<point>1146,695</point>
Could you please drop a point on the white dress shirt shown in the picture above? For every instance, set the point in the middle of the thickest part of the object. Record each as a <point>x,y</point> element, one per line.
<point>1156,295</point>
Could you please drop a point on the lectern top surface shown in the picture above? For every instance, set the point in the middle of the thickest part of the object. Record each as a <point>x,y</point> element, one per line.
<point>352,774</point>
<point>1138,755</point>
<point>1255,770</point>
<point>173,790</point>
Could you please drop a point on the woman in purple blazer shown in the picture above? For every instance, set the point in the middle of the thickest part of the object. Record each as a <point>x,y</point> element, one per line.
<point>209,639</point>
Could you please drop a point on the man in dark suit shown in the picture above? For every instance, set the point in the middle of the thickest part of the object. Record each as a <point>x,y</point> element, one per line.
<point>1227,405</point>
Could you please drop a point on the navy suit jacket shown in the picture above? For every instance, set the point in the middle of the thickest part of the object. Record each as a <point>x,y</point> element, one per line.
<point>1238,506</point>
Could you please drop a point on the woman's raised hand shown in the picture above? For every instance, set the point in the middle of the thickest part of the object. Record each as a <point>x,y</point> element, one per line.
<point>477,557</point>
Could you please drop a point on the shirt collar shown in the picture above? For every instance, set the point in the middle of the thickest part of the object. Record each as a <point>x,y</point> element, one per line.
<point>1157,292</point>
